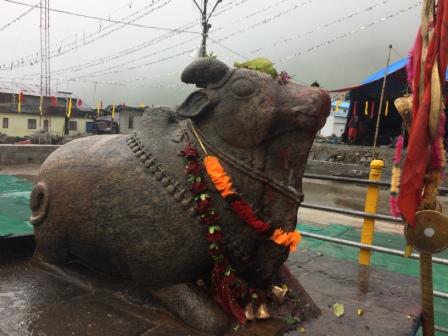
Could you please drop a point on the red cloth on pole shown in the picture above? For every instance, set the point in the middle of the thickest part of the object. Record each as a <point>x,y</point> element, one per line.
<point>372,109</point>
<point>417,159</point>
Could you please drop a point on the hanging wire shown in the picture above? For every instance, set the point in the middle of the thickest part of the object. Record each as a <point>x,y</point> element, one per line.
<point>102,19</point>
<point>33,7</point>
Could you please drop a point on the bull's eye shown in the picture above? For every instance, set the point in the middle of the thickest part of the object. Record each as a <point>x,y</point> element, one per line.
<point>243,87</point>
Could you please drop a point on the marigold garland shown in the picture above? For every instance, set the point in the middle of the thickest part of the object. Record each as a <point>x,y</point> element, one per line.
<point>291,239</point>
<point>395,180</point>
<point>218,176</point>
<point>223,183</point>
<point>228,289</point>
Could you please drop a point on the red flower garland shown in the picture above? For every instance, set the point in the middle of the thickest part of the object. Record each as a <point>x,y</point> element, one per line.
<point>227,287</point>
<point>245,212</point>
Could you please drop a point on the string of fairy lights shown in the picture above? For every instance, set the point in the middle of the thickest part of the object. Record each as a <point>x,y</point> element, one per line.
<point>119,68</point>
<point>21,16</point>
<point>84,40</point>
<point>349,33</point>
<point>139,47</point>
<point>321,27</point>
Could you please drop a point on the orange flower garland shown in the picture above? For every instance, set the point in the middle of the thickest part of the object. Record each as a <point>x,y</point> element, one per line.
<point>223,184</point>
<point>291,239</point>
<point>218,176</point>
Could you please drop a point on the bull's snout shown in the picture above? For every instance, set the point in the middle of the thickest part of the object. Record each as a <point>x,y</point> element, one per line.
<point>307,107</point>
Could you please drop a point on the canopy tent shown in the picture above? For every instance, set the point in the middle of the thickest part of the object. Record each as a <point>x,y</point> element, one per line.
<point>365,101</point>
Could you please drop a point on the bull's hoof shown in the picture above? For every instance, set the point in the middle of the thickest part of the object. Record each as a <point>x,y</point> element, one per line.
<point>194,307</point>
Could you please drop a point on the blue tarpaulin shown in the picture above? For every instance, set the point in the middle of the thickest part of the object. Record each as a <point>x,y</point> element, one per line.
<point>393,67</point>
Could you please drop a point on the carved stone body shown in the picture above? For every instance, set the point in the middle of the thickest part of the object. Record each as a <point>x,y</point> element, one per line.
<point>120,205</point>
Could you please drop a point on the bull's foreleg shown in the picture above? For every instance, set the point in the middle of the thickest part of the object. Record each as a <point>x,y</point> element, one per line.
<point>193,306</point>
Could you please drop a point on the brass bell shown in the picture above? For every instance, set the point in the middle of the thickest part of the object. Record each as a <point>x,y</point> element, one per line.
<point>249,312</point>
<point>279,293</point>
<point>263,312</point>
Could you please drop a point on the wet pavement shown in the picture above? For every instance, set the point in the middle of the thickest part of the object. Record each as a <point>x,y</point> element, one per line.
<point>47,302</point>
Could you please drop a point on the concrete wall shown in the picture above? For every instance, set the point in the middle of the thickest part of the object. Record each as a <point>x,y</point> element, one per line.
<point>124,121</point>
<point>22,154</point>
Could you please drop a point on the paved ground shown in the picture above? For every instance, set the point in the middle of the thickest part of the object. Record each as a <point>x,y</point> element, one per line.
<point>33,302</point>
<point>38,302</point>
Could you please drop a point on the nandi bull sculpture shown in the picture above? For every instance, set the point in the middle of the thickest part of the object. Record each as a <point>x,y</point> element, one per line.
<point>121,205</point>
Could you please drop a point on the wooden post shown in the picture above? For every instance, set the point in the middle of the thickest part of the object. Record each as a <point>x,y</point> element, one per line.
<point>380,109</point>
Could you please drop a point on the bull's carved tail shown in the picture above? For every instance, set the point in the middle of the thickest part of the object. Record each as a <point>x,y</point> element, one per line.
<point>39,203</point>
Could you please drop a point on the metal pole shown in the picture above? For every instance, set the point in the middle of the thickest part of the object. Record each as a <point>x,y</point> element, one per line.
<point>427,294</point>
<point>368,226</point>
<point>354,213</point>
<point>369,247</point>
<point>204,30</point>
<point>381,101</point>
<point>354,180</point>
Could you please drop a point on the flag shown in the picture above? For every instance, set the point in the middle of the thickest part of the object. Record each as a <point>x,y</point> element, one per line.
<point>69,109</point>
<point>40,104</point>
<point>54,101</point>
<point>113,112</point>
<point>19,104</point>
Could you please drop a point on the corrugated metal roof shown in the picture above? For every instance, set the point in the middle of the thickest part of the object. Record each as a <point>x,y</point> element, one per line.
<point>34,90</point>
<point>29,90</point>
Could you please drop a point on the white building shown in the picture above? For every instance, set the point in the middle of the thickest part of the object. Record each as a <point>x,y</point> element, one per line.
<point>336,120</point>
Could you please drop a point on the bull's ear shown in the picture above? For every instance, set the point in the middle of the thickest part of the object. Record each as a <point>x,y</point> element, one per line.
<point>205,71</point>
<point>196,104</point>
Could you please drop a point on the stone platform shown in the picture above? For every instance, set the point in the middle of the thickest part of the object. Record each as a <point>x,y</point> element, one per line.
<point>51,302</point>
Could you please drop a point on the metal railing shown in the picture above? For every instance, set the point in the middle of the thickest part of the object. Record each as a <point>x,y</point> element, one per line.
<point>355,180</point>
<point>354,213</point>
<point>367,215</point>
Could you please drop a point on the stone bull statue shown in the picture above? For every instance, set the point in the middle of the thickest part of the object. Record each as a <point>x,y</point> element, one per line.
<point>120,205</point>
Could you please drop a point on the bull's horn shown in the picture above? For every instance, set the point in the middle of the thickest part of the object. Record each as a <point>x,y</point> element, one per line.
<point>205,71</point>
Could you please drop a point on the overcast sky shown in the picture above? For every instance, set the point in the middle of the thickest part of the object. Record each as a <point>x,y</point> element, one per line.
<point>338,43</point>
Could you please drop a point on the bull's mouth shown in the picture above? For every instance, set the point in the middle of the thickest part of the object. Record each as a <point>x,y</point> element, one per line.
<point>304,111</point>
